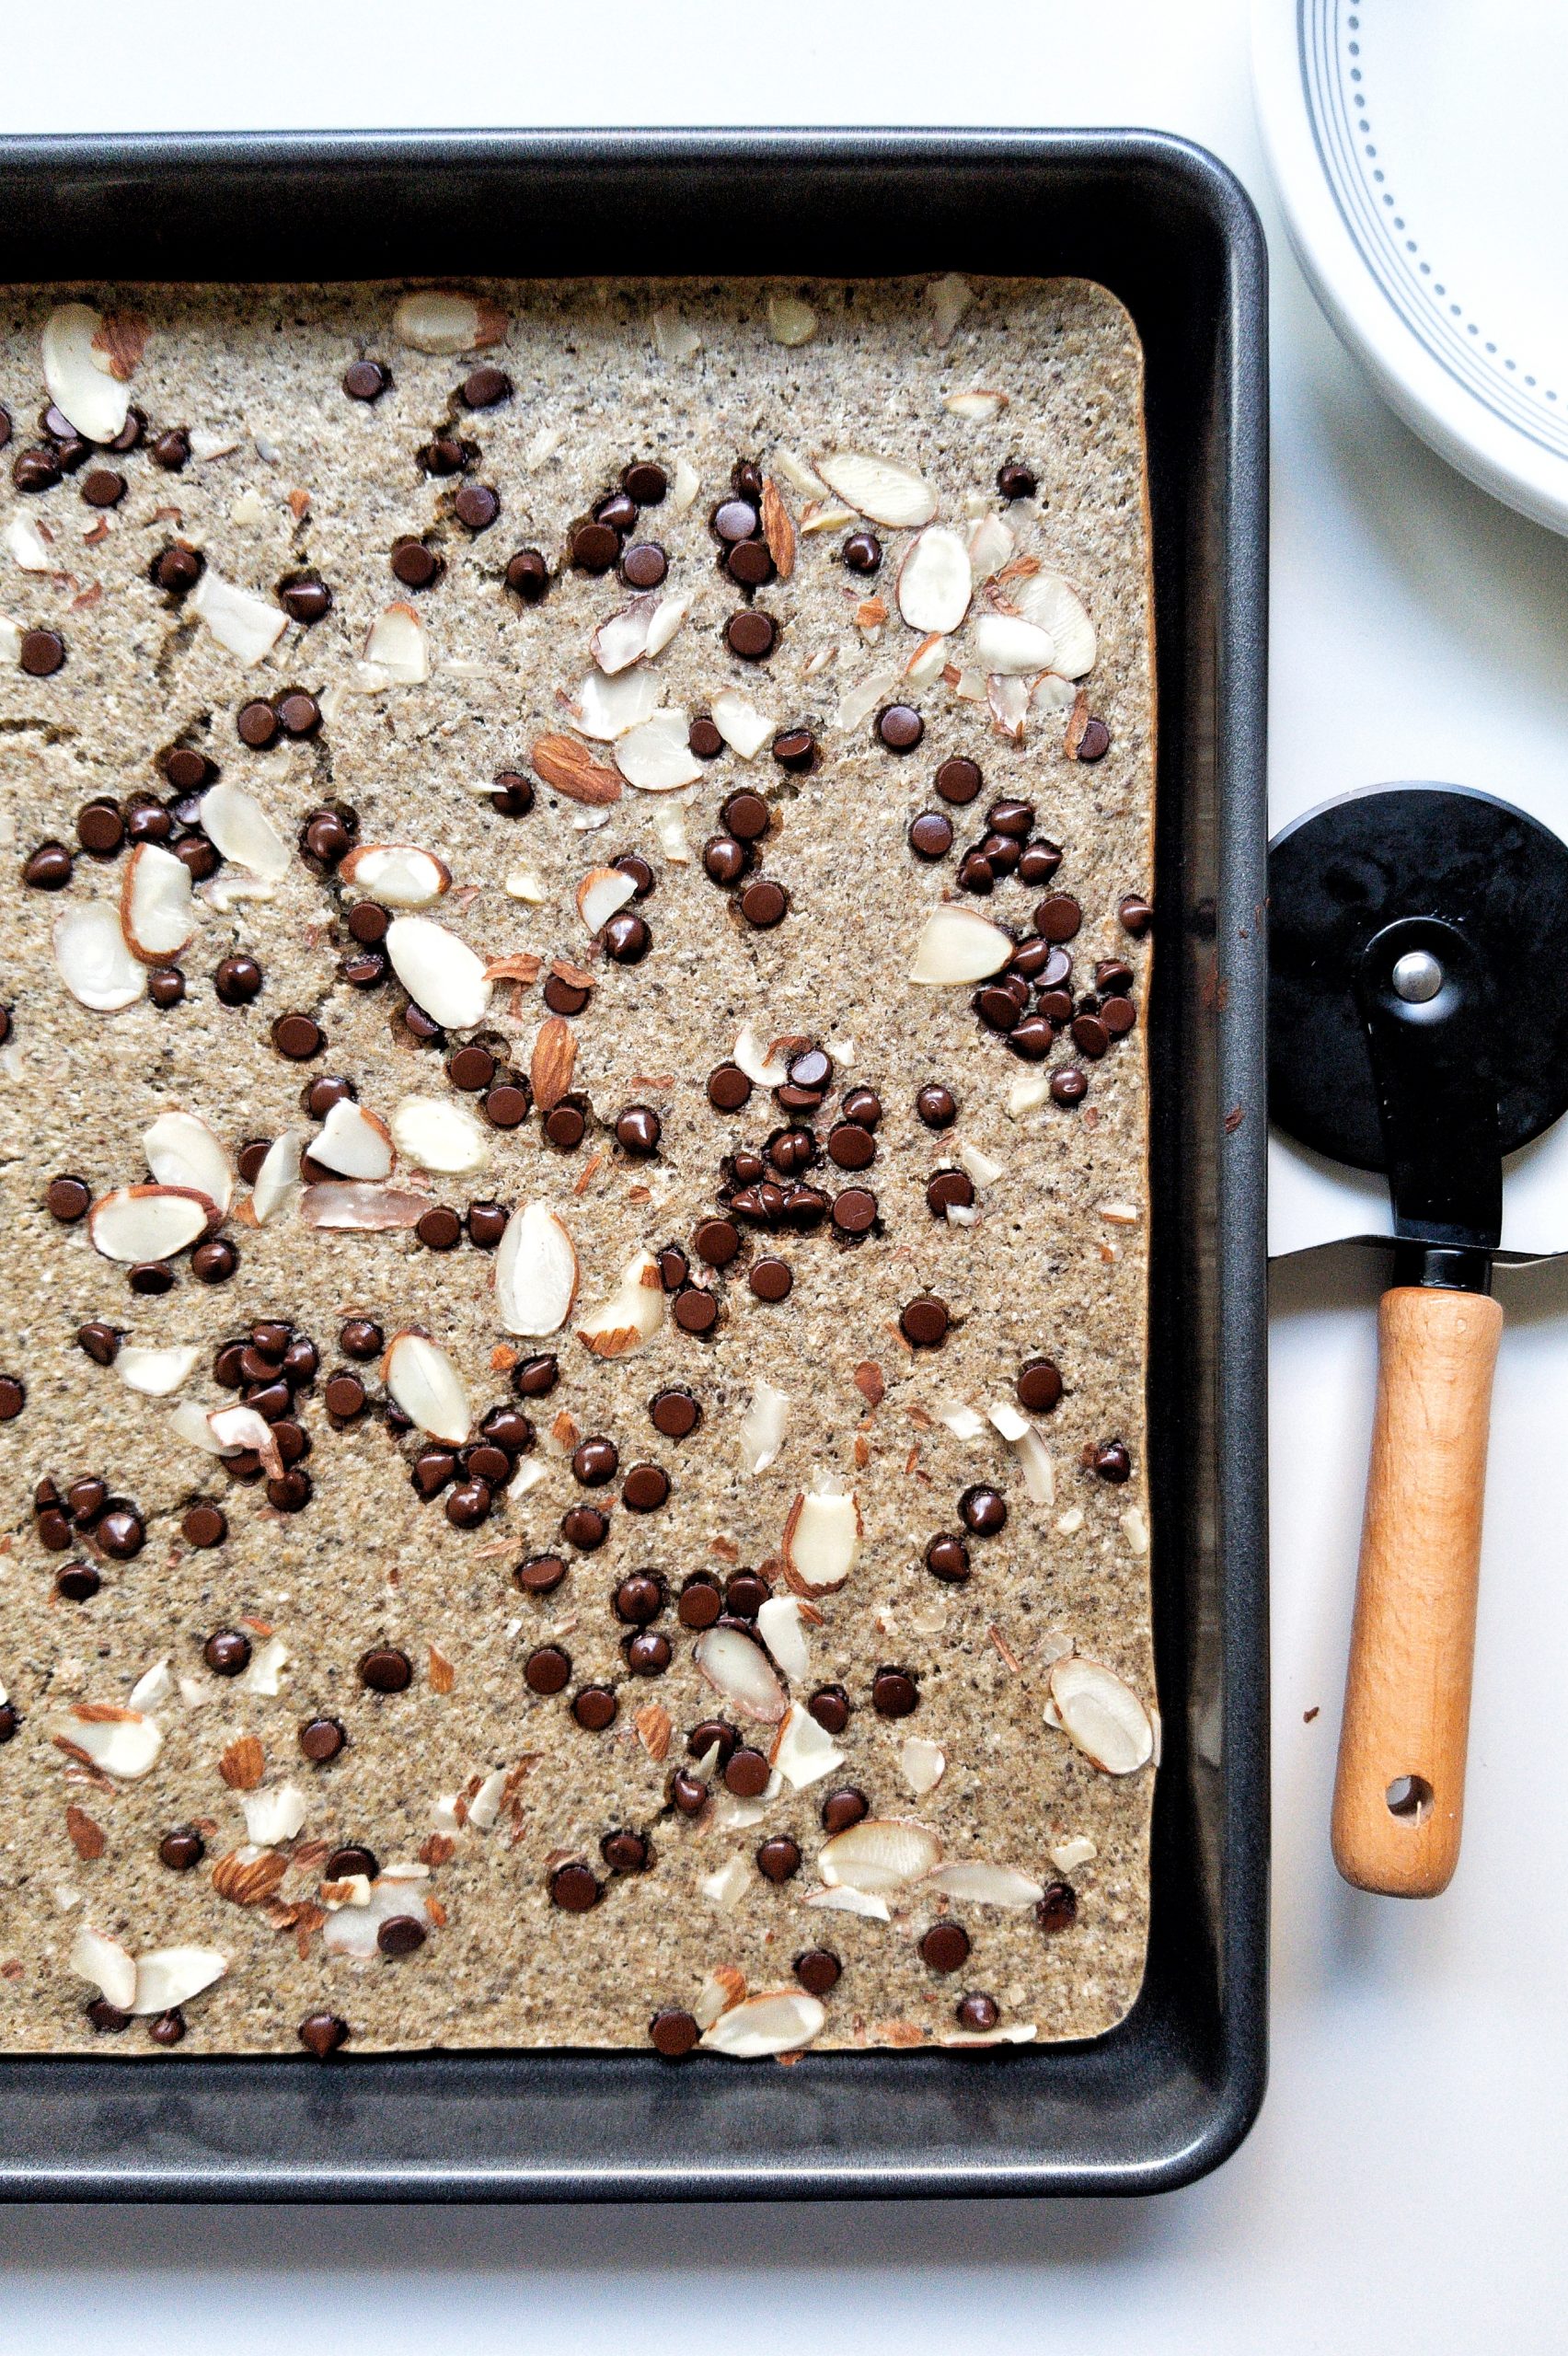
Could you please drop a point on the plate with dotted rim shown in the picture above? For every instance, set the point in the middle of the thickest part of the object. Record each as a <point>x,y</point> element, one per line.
<point>1421,158</point>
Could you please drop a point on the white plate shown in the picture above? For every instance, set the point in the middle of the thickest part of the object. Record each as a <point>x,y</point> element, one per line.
<point>1420,153</point>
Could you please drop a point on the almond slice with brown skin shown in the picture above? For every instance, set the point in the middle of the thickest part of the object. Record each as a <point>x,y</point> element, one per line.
<point>736,1665</point>
<point>632,1315</point>
<point>607,707</point>
<point>621,639</point>
<point>400,875</point>
<point>352,1207</point>
<point>602,893</point>
<point>781,2021</point>
<point>443,321</point>
<point>555,1054</point>
<point>122,1742</point>
<point>881,488</point>
<point>566,765</point>
<point>354,1142</point>
<point>149,1222</point>
<point>1101,1716</point>
<point>397,645</point>
<point>536,1272</point>
<point>778,530</point>
<point>94,961</point>
<point>79,374</point>
<point>156,905</point>
<point>802,1751</point>
<point>237,1430</point>
<point>1007,645</point>
<point>429,1389</point>
<point>879,1854</point>
<point>820,1541</point>
<point>182,1150</point>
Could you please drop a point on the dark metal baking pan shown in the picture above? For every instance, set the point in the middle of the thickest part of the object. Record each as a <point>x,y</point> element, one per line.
<point>1173,2089</point>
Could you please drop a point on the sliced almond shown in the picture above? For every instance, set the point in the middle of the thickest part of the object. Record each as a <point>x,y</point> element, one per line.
<point>725,1985</point>
<point>156,905</point>
<point>356,1930</point>
<point>182,1150</point>
<point>928,663</point>
<point>28,548</point>
<point>657,757</point>
<point>778,529</point>
<point>669,824</point>
<point>106,1966</point>
<point>276,1189</point>
<point>607,707</point>
<point>247,627</point>
<point>667,620</point>
<point>397,645</point>
<point>782,2021</point>
<point>802,1751</point>
<point>1052,693</point>
<point>798,475</point>
<point>157,1373</point>
<point>621,639</point>
<point>654,1725</point>
<point>973,1881</point>
<point>81,383</point>
<point>740,724</point>
<point>921,1763</point>
<point>603,892</point>
<point>857,702</point>
<point>400,875</point>
<point>1008,646</point>
<point>781,1625</point>
<point>790,321</point>
<point>433,1133</point>
<point>763,1426</point>
<point>729,1885</point>
<point>1028,1093</point>
<point>1055,607</point>
<point>735,1666</point>
<point>845,1901</point>
<point>673,338</point>
<point>274,1815</point>
<point>441,319</point>
<point>821,1541</point>
<point>947,298</point>
<point>1068,1855</point>
<point>555,1054</point>
<point>237,1430</point>
<point>237,826</point>
<point>881,488</point>
<point>170,1977</point>
<point>566,765</point>
<point>1101,1716</point>
<point>977,408</point>
<point>687,482</point>
<point>354,1206</point>
<point>935,583</point>
<point>122,1742</point>
<point>428,1387</point>
<point>354,1142</point>
<point>957,945</point>
<point>148,1222</point>
<point>93,960</point>
<point>769,1070</point>
<point>632,1315</point>
<point>879,1854</point>
<point>1007,699</point>
<point>991,545</point>
<point>536,1272</point>
<point>440,973</point>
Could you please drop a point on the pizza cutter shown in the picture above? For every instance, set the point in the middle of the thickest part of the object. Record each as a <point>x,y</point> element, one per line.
<point>1419,1027</point>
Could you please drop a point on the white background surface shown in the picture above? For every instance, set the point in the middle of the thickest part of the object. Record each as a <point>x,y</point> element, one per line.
<point>1404,2189</point>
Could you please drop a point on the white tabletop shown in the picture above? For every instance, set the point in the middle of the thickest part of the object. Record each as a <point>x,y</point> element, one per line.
<point>1403,2188</point>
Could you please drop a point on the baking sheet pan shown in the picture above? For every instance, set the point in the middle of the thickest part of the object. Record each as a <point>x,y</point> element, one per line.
<point>1171,2090</point>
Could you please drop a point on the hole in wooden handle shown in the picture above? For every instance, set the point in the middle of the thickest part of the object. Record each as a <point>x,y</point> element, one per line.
<point>1410,1799</point>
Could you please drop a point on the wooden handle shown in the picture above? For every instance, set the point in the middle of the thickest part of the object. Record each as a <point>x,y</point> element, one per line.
<point>1399,1795</point>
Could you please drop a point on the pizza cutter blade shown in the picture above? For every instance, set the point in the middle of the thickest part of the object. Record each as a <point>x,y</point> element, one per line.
<point>1418,1026</point>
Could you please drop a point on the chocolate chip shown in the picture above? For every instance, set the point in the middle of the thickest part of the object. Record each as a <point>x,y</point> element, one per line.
<point>984,1511</point>
<point>751,635</point>
<point>182,1849</point>
<point>299,714</point>
<point>485,387</point>
<point>703,739</point>
<point>818,1971</point>
<point>349,1862</point>
<point>77,1583</point>
<point>585,1528</point>
<point>476,506</point>
<point>747,1773</point>
<point>594,546</point>
<point>43,652</point>
<point>640,1599</point>
<point>573,1888</point>
<point>100,1342</point>
<point>508,1429</point>
<point>674,1413</point>
<point>595,1708</point>
<point>385,1670</point>
<point>700,1605</point>
<point>673,2034</point>
<point>765,903</point>
<point>565,1126</point>
<point>360,1337</point>
<point>894,1694</point>
<point>716,1241</point>
<point>779,1859</point>
<point>735,520</point>
<point>1134,914</point>
<point>1057,1908</point>
<point>861,552</point>
<point>1015,480</point>
<point>444,454</point>
<point>1033,1038</point>
<point>1038,861</point>
<point>958,780</point>
<point>949,1187</point>
<point>151,1277</point>
<point>644,565</point>
<point>322,2034</point>
<point>975,872</point>
<point>674,1267</point>
<point>547,1669</point>
<point>205,1525</point>
<point>923,1322</point>
<point>565,998</point>
<point>431,1469</point>
<point>646,1488</point>
<point>536,1378</point>
<point>35,469</point>
<point>625,938</point>
<point>528,576</point>
<point>937,1106</point>
<point>626,1852</point>
<point>401,1935</point>
<point>306,598</point>
<point>724,860</point>
<point>540,1574</point>
<point>1091,1036</point>
<point>947,1558</point>
<point>414,564</point>
<point>506,1106</point>
<point>630,864</point>
<point>298,1037</point>
<point>227,1652</point>
<point>1069,1086</point>
<point>1058,917</point>
<point>945,1946</point>
<point>169,2029</point>
<point>49,868</point>
<point>750,564</point>
<point>238,980</point>
<point>771,1279</point>
<point>439,1228</point>
<point>68,1199</point>
<point>214,1261</point>
<point>855,1210</point>
<point>366,380</point>
<point>844,1808</point>
<point>1109,1460</point>
<point>695,1312</point>
<point>1094,742</point>
<point>829,1705</point>
<point>997,1006</point>
<point>644,482</point>
<point>321,1739</point>
<point>863,1106</point>
<point>930,835</point>
<point>595,1462</point>
<point>900,727</point>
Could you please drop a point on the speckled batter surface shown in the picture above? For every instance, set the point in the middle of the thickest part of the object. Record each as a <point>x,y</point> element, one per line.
<point>301,479</point>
